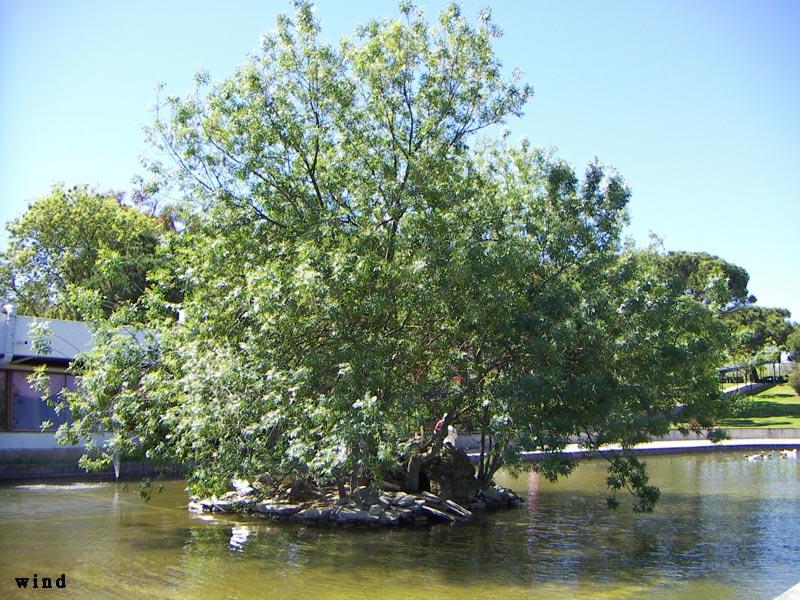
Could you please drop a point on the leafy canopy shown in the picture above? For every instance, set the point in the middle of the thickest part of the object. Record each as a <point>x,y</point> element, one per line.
<point>754,332</point>
<point>77,250</point>
<point>355,269</point>
<point>697,273</point>
<point>793,343</point>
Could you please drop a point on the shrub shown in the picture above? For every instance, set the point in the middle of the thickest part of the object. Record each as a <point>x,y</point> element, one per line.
<point>794,380</point>
<point>740,406</point>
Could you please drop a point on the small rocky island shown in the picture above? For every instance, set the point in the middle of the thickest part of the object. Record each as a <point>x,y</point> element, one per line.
<point>452,497</point>
<point>364,506</point>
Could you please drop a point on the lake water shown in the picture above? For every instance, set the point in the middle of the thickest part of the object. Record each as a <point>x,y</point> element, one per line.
<point>725,528</point>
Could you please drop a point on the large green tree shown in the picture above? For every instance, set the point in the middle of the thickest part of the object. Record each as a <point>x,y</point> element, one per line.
<point>77,251</point>
<point>756,327</point>
<point>697,272</point>
<point>357,269</point>
<point>756,334</point>
<point>793,343</point>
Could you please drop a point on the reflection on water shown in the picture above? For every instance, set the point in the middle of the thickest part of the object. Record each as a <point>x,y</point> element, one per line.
<point>45,487</point>
<point>239,537</point>
<point>725,528</point>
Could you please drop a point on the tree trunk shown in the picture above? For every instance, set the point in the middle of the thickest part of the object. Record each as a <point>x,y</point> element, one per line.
<point>483,453</point>
<point>412,473</point>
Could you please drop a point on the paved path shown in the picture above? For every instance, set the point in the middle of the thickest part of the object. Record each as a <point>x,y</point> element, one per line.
<point>671,447</point>
<point>748,388</point>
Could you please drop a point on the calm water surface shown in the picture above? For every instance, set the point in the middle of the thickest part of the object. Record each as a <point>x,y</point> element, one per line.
<point>725,528</point>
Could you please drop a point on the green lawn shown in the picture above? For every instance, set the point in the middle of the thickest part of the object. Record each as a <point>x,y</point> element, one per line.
<point>778,406</point>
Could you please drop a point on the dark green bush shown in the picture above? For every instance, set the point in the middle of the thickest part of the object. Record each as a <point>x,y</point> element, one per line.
<point>794,380</point>
<point>740,406</point>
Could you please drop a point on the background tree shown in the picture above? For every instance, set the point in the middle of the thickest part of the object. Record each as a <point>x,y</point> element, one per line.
<point>357,269</point>
<point>696,271</point>
<point>757,335</point>
<point>793,342</point>
<point>78,250</point>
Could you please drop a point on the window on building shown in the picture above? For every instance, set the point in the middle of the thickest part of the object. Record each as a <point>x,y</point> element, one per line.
<point>29,409</point>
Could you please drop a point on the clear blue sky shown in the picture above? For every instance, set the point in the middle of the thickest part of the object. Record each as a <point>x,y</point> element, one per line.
<point>696,103</point>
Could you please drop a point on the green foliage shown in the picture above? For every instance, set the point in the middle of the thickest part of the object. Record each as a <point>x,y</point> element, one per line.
<point>740,405</point>
<point>793,343</point>
<point>717,434</point>
<point>41,337</point>
<point>76,252</point>
<point>355,269</point>
<point>696,272</point>
<point>794,380</point>
<point>628,473</point>
<point>757,333</point>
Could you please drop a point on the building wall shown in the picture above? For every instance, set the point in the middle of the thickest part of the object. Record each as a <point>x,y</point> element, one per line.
<point>23,409</point>
<point>27,452</point>
<point>67,338</point>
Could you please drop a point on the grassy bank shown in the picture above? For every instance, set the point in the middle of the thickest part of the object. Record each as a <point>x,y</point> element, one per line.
<point>778,406</point>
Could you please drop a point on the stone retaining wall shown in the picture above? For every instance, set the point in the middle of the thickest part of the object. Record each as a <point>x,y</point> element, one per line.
<point>29,464</point>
